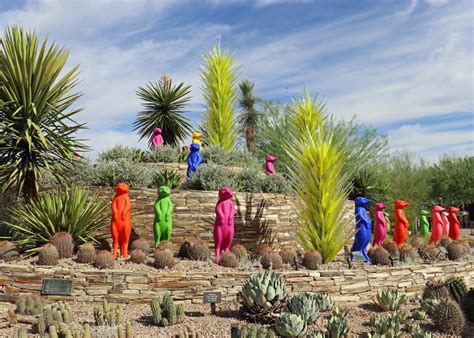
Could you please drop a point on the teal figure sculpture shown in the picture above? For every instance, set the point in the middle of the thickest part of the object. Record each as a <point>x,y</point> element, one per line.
<point>424,223</point>
<point>163,223</point>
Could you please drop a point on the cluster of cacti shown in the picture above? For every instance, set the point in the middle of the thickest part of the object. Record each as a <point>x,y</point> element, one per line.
<point>141,244</point>
<point>456,287</point>
<point>86,253</point>
<point>456,251</point>
<point>8,251</point>
<point>288,255</point>
<point>263,249</point>
<point>409,254</point>
<point>312,260</point>
<point>164,259</point>
<point>165,312</point>
<point>417,241</point>
<point>64,244</point>
<point>271,260</point>
<point>449,317</point>
<point>435,290</point>
<point>48,255</point>
<point>391,247</point>
<point>125,331</point>
<point>388,325</point>
<point>240,251</point>
<point>305,305</point>
<point>419,314</point>
<point>64,330</point>
<point>22,332</point>
<point>229,260</point>
<point>390,299</point>
<point>55,315</point>
<point>255,331</point>
<point>199,251</point>
<point>107,315</point>
<point>324,302</point>
<point>379,256</point>
<point>429,252</point>
<point>104,260</point>
<point>138,256</point>
<point>263,297</point>
<point>29,305</point>
<point>290,325</point>
<point>468,305</point>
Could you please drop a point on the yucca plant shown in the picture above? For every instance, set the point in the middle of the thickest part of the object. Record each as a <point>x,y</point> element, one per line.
<point>164,105</point>
<point>36,119</point>
<point>249,116</point>
<point>322,188</point>
<point>219,79</point>
<point>71,210</point>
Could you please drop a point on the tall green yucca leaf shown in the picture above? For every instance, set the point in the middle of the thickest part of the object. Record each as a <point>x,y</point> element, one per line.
<point>318,179</point>
<point>84,216</point>
<point>219,88</point>
<point>36,126</point>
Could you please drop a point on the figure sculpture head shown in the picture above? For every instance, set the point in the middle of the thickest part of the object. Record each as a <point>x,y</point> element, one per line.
<point>380,206</point>
<point>399,204</point>
<point>362,201</point>
<point>121,189</point>
<point>164,191</point>
<point>271,158</point>
<point>197,135</point>
<point>425,213</point>
<point>453,210</point>
<point>194,148</point>
<point>437,208</point>
<point>156,131</point>
<point>225,193</point>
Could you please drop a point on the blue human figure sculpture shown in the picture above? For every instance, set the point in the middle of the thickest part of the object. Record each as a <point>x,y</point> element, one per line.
<point>194,159</point>
<point>363,228</point>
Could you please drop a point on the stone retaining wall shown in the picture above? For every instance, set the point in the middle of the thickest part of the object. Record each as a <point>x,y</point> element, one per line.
<point>91,285</point>
<point>260,216</point>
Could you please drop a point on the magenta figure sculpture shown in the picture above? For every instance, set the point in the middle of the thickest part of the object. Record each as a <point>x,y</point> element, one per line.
<point>157,139</point>
<point>269,164</point>
<point>444,216</point>
<point>224,224</point>
<point>380,227</point>
<point>437,224</point>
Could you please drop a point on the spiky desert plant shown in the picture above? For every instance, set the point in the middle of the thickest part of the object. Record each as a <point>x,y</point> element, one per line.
<point>36,119</point>
<point>428,252</point>
<point>30,305</point>
<point>249,116</point>
<point>455,251</point>
<point>239,250</point>
<point>324,302</point>
<point>457,288</point>
<point>164,259</point>
<point>73,210</point>
<point>108,315</point>
<point>287,255</point>
<point>165,312</point>
<point>137,256</point>
<point>305,305</point>
<point>436,290</point>
<point>392,248</point>
<point>48,255</point>
<point>219,90</point>
<point>170,178</point>
<point>449,318</point>
<point>337,327</point>
<point>8,251</point>
<point>164,105</point>
<point>429,305</point>
<point>104,260</point>
<point>291,325</point>
<point>165,245</point>
<point>390,300</point>
<point>322,187</point>
<point>86,253</point>
<point>263,249</point>
<point>468,305</point>
<point>271,260</point>
<point>417,241</point>
<point>409,254</point>
<point>388,325</point>
<point>64,243</point>
<point>183,251</point>
<point>445,240</point>
<point>229,260</point>
<point>419,314</point>
<point>199,251</point>
<point>141,244</point>
<point>379,256</point>
<point>312,259</point>
<point>254,331</point>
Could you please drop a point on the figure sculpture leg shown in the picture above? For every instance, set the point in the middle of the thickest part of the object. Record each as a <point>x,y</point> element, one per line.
<point>115,238</point>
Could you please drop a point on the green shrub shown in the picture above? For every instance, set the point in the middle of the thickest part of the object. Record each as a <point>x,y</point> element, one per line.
<point>73,210</point>
<point>81,174</point>
<point>242,157</point>
<point>162,154</point>
<point>276,183</point>
<point>216,155</point>
<point>170,178</point>
<point>210,177</point>
<point>248,180</point>
<point>119,151</point>
<point>109,173</point>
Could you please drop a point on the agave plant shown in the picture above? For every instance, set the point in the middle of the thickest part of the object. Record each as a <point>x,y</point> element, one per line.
<point>219,79</point>
<point>164,104</point>
<point>316,171</point>
<point>71,210</point>
<point>390,300</point>
<point>36,119</point>
<point>249,116</point>
<point>170,178</point>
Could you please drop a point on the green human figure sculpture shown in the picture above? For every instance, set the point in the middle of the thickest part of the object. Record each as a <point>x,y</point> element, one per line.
<point>424,223</point>
<point>163,223</point>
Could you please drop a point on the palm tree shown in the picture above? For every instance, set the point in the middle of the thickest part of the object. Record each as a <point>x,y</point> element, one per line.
<point>36,118</point>
<point>249,116</point>
<point>164,104</point>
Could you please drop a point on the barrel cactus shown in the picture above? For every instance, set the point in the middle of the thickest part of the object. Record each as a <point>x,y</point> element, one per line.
<point>271,260</point>
<point>391,247</point>
<point>263,297</point>
<point>64,243</point>
<point>164,259</point>
<point>429,252</point>
<point>449,318</point>
<point>199,251</point>
<point>409,254</point>
<point>468,305</point>
<point>141,244</point>
<point>239,250</point>
<point>288,255</point>
<point>435,290</point>
<point>456,287</point>
<point>304,305</point>
<point>8,251</point>
<point>291,325</point>
<point>455,251</point>
<point>48,255</point>
<point>86,253</point>
<point>379,256</point>
<point>229,260</point>
<point>312,260</point>
<point>138,256</point>
<point>104,260</point>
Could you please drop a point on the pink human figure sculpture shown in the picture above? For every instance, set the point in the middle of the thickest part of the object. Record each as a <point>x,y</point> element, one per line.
<point>454,224</point>
<point>444,216</point>
<point>269,164</point>
<point>380,228</point>
<point>437,224</point>
<point>157,139</point>
<point>224,224</point>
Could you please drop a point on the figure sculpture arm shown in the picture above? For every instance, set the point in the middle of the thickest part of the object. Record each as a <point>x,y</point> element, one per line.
<point>169,210</point>
<point>231,215</point>
<point>219,212</point>
<point>158,212</point>
<point>126,209</point>
<point>380,219</point>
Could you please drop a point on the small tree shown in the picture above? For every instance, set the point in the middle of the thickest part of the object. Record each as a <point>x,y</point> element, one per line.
<point>36,119</point>
<point>249,116</point>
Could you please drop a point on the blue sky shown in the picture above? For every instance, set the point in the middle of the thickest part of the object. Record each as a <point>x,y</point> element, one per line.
<point>405,67</point>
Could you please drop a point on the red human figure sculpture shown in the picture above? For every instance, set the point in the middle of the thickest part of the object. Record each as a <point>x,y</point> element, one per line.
<point>444,216</point>
<point>224,224</point>
<point>269,164</point>
<point>121,226</point>
<point>437,224</point>
<point>454,224</point>
<point>400,232</point>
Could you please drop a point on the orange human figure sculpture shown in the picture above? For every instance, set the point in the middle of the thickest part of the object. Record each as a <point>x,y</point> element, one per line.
<point>121,226</point>
<point>454,223</point>
<point>400,232</point>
